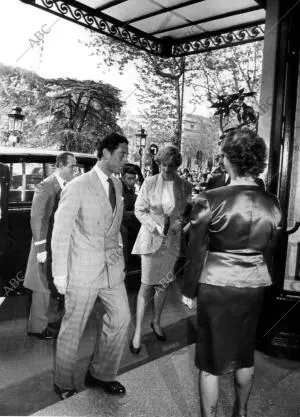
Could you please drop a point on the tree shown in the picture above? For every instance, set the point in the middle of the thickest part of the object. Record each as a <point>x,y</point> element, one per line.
<point>225,75</point>
<point>158,89</point>
<point>211,74</point>
<point>234,104</point>
<point>83,110</point>
<point>64,113</point>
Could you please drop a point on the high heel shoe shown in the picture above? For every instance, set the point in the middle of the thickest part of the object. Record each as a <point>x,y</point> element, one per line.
<point>161,337</point>
<point>133,349</point>
<point>236,412</point>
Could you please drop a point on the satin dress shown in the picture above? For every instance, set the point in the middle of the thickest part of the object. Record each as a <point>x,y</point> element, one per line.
<point>233,230</point>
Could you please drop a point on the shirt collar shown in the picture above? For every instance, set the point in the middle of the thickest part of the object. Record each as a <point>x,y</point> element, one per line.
<point>60,180</point>
<point>101,175</point>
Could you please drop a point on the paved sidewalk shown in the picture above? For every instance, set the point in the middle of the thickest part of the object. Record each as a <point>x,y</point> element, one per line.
<point>167,387</point>
<point>26,377</point>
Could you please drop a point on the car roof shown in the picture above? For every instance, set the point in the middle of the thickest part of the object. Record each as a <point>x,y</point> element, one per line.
<point>12,154</point>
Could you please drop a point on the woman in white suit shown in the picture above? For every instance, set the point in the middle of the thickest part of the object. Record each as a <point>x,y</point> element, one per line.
<point>159,207</point>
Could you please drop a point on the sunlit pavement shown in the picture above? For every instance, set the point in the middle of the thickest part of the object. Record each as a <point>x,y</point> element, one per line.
<point>26,377</point>
<point>161,381</point>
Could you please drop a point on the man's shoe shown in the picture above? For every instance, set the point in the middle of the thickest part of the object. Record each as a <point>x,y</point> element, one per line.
<point>112,387</point>
<point>47,334</point>
<point>64,393</point>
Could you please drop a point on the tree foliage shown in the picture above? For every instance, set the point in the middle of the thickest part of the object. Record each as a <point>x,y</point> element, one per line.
<point>158,88</point>
<point>211,75</point>
<point>221,77</point>
<point>64,113</point>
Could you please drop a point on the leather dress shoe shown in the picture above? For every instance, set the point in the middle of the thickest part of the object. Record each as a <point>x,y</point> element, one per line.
<point>134,350</point>
<point>161,337</point>
<point>47,334</point>
<point>112,387</point>
<point>64,393</point>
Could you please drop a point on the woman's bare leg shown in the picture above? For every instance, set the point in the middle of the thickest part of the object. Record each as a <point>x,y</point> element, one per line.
<point>143,298</point>
<point>243,384</point>
<point>209,393</point>
<point>159,301</point>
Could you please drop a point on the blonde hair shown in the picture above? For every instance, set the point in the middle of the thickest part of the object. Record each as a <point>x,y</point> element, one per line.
<point>169,152</point>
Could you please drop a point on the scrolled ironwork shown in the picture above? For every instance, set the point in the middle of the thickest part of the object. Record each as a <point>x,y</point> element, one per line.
<point>97,21</point>
<point>244,35</point>
<point>100,23</point>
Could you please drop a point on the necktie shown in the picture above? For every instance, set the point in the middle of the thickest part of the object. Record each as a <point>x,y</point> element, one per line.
<point>166,225</point>
<point>111,194</point>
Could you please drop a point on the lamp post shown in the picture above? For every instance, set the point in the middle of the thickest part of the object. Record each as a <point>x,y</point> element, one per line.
<point>15,124</point>
<point>142,135</point>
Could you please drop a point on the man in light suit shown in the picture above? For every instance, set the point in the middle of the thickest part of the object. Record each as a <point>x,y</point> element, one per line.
<point>44,312</point>
<point>88,263</point>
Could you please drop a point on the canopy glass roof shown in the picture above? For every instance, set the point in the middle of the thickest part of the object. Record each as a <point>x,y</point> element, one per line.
<point>167,27</point>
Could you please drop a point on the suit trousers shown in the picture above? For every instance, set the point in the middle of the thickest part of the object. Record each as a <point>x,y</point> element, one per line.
<point>111,339</point>
<point>44,309</point>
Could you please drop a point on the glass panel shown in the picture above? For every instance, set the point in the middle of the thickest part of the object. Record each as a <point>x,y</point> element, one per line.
<point>80,170</point>
<point>49,169</point>
<point>34,175</point>
<point>16,182</point>
<point>23,180</point>
<point>292,270</point>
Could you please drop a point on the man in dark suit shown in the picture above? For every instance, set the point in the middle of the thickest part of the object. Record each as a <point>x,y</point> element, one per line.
<point>218,177</point>
<point>130,224</point>
<point>44,312</point>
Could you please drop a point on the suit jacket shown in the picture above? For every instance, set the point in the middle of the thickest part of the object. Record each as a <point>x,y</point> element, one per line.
<point>86,240</point>
<point>38,277</point>
<point>149,212</point>
<point>233,232</point>
<point>217,179</point>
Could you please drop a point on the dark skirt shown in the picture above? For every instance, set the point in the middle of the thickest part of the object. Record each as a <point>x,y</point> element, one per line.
<point>227,322</point>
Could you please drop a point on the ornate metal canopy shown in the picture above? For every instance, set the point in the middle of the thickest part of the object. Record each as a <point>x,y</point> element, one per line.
<point>166,27</point>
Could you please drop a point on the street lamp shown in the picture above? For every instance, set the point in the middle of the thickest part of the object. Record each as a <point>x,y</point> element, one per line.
<point>15,124</point>
<point>142,135</point>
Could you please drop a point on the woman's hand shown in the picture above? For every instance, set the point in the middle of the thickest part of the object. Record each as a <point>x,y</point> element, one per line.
<point>158,231</point>
<point>190,302</point>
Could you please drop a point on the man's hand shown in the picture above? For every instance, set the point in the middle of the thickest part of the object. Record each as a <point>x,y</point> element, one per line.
<point>41,257</point>
<point>190,302</point>
<point>61,284</point>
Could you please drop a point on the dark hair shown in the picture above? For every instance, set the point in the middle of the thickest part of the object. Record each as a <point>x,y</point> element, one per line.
<point>129,169</point>
<point>110,142</point>
<point>62,158</point>
<point>246,151</point>
<point>169,152</point>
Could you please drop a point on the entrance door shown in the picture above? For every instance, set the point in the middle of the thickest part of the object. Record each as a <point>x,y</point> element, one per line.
<point>292,269</point>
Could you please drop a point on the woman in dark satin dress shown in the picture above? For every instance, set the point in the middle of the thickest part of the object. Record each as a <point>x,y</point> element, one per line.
<point>232,232</point>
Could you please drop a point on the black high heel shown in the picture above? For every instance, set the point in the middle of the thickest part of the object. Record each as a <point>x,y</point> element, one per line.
<point>133,349</point>
<point>161,337</point>
<point>236,412</point>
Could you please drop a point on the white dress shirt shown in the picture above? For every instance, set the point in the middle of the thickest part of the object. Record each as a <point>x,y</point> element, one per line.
<point>168,202</point>
<point>103,178</point>
<point>60,180</point>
